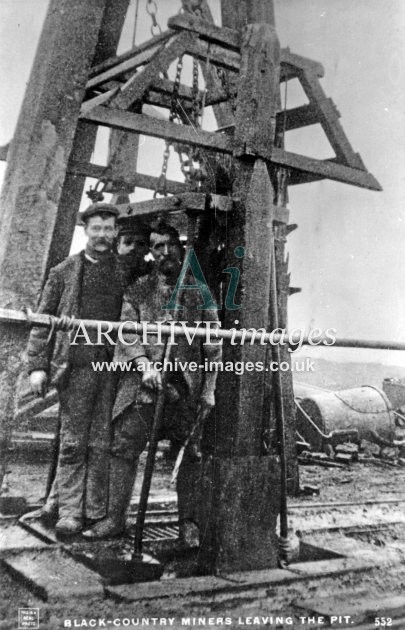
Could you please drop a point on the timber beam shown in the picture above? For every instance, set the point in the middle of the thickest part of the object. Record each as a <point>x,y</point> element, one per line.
<point>327,169</point>
<point>328,116</point>
<point>231,39</point>
<point>128,64</point>
<point>221,45</point>
<point>143,124</point>
<point>185,134</point>
<point>115,60</point>
<point>4,152</point>
<point>87,169</point>
<point>135,87</point>
<point>159,95</point>
<point>297,117</point>
<point>190,202</point>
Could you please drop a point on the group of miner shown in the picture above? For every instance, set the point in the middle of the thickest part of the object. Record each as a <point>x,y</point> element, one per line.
<point>106,416</point>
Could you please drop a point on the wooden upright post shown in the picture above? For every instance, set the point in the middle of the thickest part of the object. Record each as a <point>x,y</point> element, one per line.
<point>240,497</point>
<point>84,140</point>
<point>37,164</point>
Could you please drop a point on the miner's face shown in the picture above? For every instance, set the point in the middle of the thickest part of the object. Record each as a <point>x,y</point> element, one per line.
<point>167,252</point>
<point>100,232</point>
<point>136,246</point>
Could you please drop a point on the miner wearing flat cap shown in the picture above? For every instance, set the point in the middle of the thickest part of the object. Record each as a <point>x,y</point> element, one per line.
<point>132,247</point>
<point>87,285</point>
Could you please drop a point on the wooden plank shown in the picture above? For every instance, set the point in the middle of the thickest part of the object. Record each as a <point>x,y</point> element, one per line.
<point>291,65</point>
<point>218,55</point>
<point>4,151</point>
<point>32,190</point>
<point>281,214</point>
<point>225,37</point>
<point>238,14</point>
<point>230,39</point>
<point>302,63</point>
<point>162,100</point>
<point>165,86</point>
<point>118,70</point>
<point>102,98</point>
<point>87,169</point>
<point>52,573</point>
<point>216,95</point>
<point>297,117</point>
<point>300,177</point>
<point>325,169</point>
<point>329,119</point>
<point>135,87</point>
<point>15,539</point>
<point>223,111</point>
<point>296,178</point>
<point>140,123</point>
<point>239,538</point>
<point>259,75</point>
<point>117,59</point>
<point>192,201</point>
<point>197,202</point>
<point>84,138</point>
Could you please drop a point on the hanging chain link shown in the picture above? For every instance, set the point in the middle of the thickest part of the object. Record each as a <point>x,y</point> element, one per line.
<point>195,96</point>
<point>192,174</point>
<point>151,9</point>
<point>173,115</point>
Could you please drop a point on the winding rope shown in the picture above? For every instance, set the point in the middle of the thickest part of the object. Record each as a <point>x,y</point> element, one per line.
<point>63,322</point>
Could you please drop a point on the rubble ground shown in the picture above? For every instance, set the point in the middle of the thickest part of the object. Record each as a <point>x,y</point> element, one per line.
<point>359,495</point>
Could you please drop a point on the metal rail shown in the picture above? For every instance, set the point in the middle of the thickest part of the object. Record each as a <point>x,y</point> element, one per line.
<point>173,329</point>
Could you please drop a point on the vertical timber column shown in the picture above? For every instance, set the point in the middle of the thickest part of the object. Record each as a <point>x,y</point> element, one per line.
<point>84,140</point>
<point>240,479</point>
<point>36,168</point>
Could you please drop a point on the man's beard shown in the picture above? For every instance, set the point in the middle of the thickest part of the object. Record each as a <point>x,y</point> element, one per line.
<point>102,241</point>
<point>170,268</point>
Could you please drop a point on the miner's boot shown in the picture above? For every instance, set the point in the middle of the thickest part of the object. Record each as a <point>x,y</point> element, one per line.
<point>122,477</point>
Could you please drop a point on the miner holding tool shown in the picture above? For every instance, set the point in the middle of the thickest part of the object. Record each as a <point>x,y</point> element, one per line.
<point>87,285</point>
<point>189,395</point>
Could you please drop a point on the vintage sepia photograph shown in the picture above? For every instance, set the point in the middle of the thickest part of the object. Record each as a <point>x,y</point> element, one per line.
<point>202,321</point>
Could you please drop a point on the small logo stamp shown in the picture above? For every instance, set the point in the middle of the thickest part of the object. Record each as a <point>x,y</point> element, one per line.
<point>28,618</point>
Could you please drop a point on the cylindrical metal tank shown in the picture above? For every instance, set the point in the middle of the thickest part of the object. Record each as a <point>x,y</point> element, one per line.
<point>394,388</point>
<point>364,409</point>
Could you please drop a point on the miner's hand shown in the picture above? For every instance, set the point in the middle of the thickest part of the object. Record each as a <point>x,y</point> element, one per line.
<point>152,378</point>
<point>38,382</point>
<point>205,406</point>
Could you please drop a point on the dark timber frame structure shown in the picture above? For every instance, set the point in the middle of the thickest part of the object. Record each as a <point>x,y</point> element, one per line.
<point>78,83</point>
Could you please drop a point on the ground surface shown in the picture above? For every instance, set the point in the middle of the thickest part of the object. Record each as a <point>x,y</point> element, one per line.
<point>371,486</point>
<point>358,513</point>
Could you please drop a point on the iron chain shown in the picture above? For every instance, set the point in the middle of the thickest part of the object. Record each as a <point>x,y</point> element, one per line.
<point>151,9</point>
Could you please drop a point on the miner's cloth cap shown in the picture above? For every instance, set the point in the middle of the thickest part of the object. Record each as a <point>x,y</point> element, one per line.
<point>131,224</point>
<point>98,208</point>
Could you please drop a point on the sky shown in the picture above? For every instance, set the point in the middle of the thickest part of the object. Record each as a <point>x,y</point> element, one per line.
<point>347,254</point>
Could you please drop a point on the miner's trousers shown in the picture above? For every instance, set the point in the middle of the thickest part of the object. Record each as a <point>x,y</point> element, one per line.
<point>131,430</point>
<point>86,402</point>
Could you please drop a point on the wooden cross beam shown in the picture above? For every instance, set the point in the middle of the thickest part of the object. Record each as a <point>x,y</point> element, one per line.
<point>186,134</point>
<point>190,202</point>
